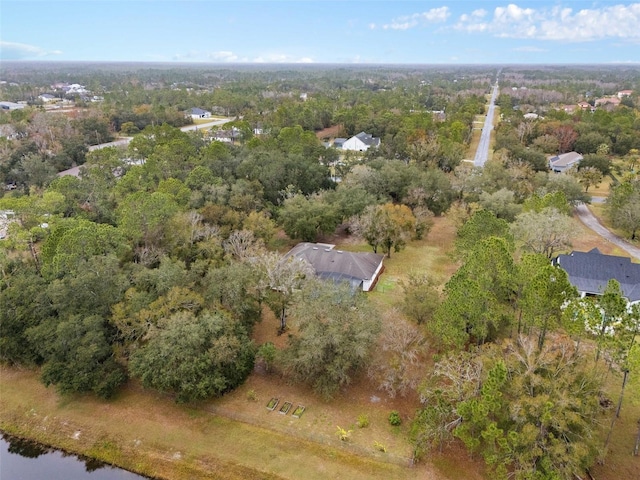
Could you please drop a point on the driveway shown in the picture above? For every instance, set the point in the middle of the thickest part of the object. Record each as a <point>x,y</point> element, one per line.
<point>586,217</point>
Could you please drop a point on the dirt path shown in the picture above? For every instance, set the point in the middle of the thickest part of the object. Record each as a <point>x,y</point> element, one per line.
<point>586,217</point>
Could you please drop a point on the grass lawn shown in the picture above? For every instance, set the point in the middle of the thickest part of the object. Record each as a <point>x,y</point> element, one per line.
<point>602,189</point>
<point>619,462</point>
<point>200,121</point>
<point>146,432</point>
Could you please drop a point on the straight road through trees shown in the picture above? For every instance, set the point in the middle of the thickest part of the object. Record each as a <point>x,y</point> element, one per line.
<point>482,153</point>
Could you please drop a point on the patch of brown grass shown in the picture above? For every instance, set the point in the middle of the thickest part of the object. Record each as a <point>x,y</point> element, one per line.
<point>329,132</point>
<point>146,432</point>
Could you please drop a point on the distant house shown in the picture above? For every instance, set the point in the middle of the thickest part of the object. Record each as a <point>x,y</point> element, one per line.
<point>590,272</point>
<point>226,136</point>
<point>75,88</point>
<point>199,113</point>
<point>625,93</point>
<point>360,270</point>
<point>563,162</point>
<point>339,142</point>
<point>47,97</point>
<point>607,101</point>
<point>11,106</point>
<point>585,106</point>
<point>361,142</point>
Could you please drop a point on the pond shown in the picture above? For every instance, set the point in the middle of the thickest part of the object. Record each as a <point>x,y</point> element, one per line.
<point>25,460</point>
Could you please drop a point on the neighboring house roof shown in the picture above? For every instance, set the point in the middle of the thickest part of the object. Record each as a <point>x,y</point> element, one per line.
<point>198,111</point>
<point>624,93</point>
<point>359,269</point>
<point>590,272</point>
<point>368,139</point>
<point>361,142</point>
<point>605,100</point>
<point>338,142</point>
<point>11,106</point>
<point>560,163</point>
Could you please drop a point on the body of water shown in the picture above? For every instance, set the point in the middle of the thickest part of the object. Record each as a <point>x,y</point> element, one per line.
<point>25,460</point>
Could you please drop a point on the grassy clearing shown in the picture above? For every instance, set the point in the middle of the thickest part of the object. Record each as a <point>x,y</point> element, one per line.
<point>602,189</point>
<point>148,433</point>
<point>478,122</point>
<point>619,462</point>
<point>598,209</point>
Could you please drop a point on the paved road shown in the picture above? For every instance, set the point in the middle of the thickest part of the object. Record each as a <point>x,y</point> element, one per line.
<point>482,153</point>
<point>586,217</point>
<point>190,128</point>
<point>123,142</point>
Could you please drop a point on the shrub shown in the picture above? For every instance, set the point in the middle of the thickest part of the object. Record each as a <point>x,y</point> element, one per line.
<point>343,434</point>
<point>379,446</point>
<point>252,396</point>
<point>363,420</point>
<point>394,418</point>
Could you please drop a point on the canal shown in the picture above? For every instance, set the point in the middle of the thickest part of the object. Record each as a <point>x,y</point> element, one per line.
<point>25,460</point>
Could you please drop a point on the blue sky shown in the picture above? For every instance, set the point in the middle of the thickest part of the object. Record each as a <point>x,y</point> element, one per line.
<point>312,31</point>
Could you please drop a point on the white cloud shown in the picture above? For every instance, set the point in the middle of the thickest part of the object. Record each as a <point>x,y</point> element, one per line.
<point>405,22</point>
<point>281,58</point>
<point>557,23</point>
<point>223,56</point>
<point>21,51</point>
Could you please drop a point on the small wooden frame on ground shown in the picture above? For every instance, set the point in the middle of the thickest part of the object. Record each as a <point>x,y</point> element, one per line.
<point>273,403</point>
<point>284,409</point>
<point>297,413</point>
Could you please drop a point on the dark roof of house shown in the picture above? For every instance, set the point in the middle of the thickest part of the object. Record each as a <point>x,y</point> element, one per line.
<point>367,139</point>
<point>337,264</point>
<point>590,271</point>
<point>198,111</point>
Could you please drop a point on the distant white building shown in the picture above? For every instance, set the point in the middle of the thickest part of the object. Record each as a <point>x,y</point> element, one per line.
<point>361,142</point>
<point>75,88</point>
<point>199,113</point>
<point>11,106</point>
<point>47,98</point>
<point>562,163</point>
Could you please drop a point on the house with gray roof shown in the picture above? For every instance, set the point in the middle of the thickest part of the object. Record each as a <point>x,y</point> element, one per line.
<point>199,113</point>
<point>360,270</point>
<point>590,272</point>
<point>361,142</point>
<point>11,106</point>
<point>563,162</point>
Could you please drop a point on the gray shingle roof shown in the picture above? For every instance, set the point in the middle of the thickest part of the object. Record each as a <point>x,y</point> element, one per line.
<point>338,264</point>
<point>198,111</point>
<point>367,139</point>
<point>565,159</point>
<point>590,271</point>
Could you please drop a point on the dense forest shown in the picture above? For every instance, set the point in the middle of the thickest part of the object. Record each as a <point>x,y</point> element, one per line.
<point>158,260</point>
